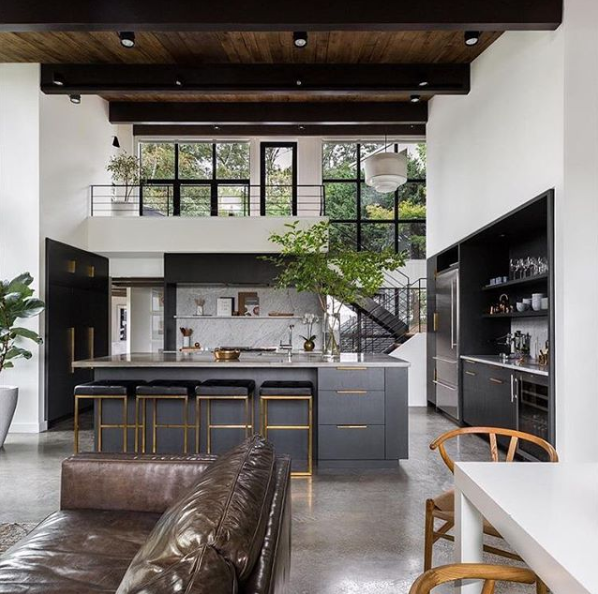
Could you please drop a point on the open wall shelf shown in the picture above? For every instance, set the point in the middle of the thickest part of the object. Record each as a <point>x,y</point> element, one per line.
<point>531,280</point>
<point>519,314</point>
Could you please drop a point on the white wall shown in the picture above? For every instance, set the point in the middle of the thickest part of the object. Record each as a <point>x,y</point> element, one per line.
<point>149,235</point>
<point>75,146</point>
<point>414,351</point>
<point>140,329</point>
<point>20,248</point>
<point>577,239</point>
<point>529,124</point>
<point>502,144</point>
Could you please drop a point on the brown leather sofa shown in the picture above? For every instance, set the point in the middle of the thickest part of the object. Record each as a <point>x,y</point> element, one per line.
<point>110,505</point>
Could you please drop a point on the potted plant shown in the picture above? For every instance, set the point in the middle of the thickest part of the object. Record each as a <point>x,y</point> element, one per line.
<point>124,169</point>
<point>309,319</point>
<point>16,302</point>
<point>344,275</point>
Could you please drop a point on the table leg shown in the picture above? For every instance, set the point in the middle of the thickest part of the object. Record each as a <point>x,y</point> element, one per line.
<point>468,538</point>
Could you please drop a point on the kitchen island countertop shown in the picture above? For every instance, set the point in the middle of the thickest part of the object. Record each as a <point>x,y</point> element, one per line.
<point>267,360</point>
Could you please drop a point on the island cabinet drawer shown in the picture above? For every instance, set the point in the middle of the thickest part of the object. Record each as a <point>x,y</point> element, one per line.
<point>351,406</point>
<point>351,378</point>
<point>351,442</point>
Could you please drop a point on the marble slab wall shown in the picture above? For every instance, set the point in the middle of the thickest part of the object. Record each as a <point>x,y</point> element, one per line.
<point>537,329</point>
<point>262,331</point>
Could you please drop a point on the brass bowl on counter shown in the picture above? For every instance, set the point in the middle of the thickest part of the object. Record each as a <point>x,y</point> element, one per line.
<point>224,354</point>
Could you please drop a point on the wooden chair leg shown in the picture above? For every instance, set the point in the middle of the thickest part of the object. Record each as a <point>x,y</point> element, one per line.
<point>541,587</point>
<point>429,535</point>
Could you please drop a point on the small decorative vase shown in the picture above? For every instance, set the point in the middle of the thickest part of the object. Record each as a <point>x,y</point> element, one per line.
<point>332,334</point>
<point>309,345</point>
<point>8,405</point>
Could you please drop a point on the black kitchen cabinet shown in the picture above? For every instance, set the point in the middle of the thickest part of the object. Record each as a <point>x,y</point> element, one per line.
<point>489,396</point>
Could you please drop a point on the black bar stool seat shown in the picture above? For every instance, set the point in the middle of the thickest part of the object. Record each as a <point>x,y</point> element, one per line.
<point>156,391</point>
<point>101,390</point>
<point>230,387</point>
<point>287,388</point>
<point>223,389</point>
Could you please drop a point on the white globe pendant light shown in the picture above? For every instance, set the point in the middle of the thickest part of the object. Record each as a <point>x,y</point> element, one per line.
<point>385,172</point>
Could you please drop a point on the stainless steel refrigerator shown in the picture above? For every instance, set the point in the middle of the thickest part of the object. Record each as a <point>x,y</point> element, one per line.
<point>446,327</point>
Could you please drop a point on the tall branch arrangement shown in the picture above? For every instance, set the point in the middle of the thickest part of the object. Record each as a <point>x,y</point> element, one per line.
<point>17,302</point>
<point>346,275</point>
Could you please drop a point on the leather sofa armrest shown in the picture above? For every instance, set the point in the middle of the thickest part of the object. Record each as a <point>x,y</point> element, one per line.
<point>128,482</point>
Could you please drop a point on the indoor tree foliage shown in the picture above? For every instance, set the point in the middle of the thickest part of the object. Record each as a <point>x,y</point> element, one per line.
<point>345,275</point>
<point>16,302</point>
<point>124,169</point>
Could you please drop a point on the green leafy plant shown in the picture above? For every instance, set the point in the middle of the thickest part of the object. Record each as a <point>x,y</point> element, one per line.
<point>346,275</point>
<point>17,302</point>
<point>125,169</point>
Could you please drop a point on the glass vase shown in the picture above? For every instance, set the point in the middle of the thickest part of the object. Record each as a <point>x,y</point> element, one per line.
<point>332,334</point>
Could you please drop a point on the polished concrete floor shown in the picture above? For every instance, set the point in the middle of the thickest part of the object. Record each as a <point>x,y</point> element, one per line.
<point>353,532</point>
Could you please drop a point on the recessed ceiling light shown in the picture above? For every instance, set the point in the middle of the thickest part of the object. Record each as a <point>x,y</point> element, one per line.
<point>415,98</point>
<point>58,79</point>
<point>299,83</point>
<point>301,127</point>
<point>76,99</point>
<point>300,39</point>
<point>216,127</point>
<point>178,81</point>
<point>127,39</point>
<point>424,83</point>
<point>471,37</point>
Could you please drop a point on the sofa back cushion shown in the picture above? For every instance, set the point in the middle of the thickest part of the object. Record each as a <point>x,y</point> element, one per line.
<point>227,509</point>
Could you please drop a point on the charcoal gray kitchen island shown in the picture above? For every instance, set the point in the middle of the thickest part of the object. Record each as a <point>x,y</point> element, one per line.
<point>360,407</point>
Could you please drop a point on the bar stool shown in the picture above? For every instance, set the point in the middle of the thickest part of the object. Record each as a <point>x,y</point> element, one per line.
<point>162,391</point>
<point>101,390</point>
<point>289,391</point>
<point>222,390</point>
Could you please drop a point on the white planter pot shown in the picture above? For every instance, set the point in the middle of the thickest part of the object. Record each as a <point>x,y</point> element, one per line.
<point>8,405</point>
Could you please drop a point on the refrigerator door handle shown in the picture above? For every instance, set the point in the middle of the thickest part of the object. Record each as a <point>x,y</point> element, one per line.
<point>452,314</point>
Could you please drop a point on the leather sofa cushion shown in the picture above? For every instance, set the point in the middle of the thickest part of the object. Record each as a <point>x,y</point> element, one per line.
<point>75,552</point>
<point>228,509</point>
<point>204,571</point>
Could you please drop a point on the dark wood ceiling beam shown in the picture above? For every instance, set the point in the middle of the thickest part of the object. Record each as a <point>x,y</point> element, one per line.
<point>283,15</point>
<point>355,131</point>
<point>282,113</point>
<point>336,79</point>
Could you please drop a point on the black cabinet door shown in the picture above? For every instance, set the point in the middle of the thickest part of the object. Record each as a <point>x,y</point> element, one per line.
<point>474,404</point>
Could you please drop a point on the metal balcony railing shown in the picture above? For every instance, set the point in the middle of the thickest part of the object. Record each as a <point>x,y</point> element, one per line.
<point>206,200</point>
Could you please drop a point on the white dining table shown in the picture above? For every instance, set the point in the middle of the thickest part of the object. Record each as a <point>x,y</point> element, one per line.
<point>548,513</point>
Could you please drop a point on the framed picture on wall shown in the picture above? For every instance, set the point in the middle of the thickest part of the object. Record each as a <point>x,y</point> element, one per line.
<point>225,306</point>
<point>157,300</point>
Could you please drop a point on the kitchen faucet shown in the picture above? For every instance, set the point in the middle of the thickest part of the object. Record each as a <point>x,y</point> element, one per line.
<point>289,346</point>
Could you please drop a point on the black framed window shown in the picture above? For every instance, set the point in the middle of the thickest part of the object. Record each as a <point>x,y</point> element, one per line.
<point>365,219</point>
<point>194,179</point>
<point>278,178</point>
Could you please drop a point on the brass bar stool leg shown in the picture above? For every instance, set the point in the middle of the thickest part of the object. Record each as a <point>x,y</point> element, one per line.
<point>125,423</point>
<point>197,423</point>
<point>265,419</point>
<point>185,423</point>
<point>76,427</point>
<point>143,424</point>
<point>154,428</point>
<point>136,424</point>
<point>310,436</point>
<point>252,413</point>
<point>247,417</point>
<point>209,422</point>
<point>99,424</point>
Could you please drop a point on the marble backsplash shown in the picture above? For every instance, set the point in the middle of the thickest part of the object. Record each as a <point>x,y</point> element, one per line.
<point>537,329</point>
<point>262,331</point>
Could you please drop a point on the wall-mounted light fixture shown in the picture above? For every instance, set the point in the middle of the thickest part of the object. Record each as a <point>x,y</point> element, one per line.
<point>115,142</point>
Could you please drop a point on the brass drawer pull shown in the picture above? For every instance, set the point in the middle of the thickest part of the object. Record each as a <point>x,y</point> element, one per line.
<point>351,368</point>
<point>351,391</point>
<point>496,381</point>
<point>470,373</point>
<point>351,426</point>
